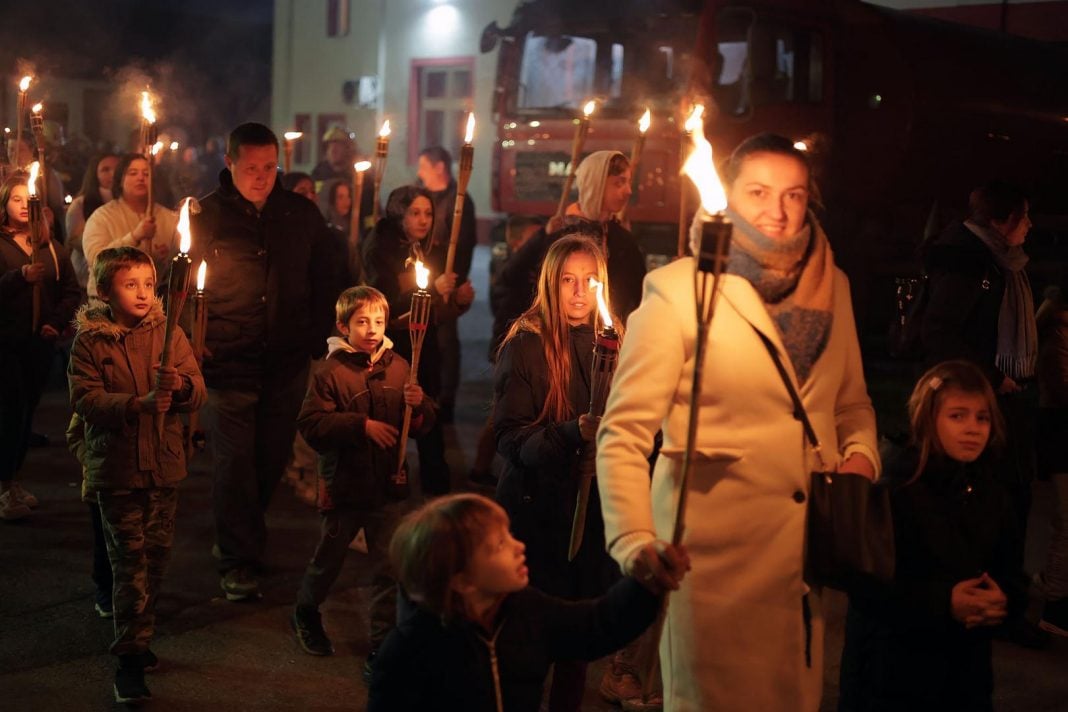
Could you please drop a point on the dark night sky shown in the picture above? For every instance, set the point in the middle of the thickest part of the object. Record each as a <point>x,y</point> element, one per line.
<point>209,59</point>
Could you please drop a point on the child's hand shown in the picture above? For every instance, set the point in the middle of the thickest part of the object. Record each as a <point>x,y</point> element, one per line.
<point>158,401</point>
<point>659,566</point>
<point>444,284</point>
<point>588,426</point>
<point>167,378</point>
<point>413,394</point>
<point>33,273</point>
<point>465,294</point>
<point>977,601</point>
<point>145,230</point>
<point>49,333</point>
<point>382,434</point>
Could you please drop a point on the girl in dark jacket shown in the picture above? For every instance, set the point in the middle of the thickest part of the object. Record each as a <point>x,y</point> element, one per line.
<point>26,354</point>
<point>541,396</point>
<point>923,643</point>
<point>397,241</point>
<point>476,637</point>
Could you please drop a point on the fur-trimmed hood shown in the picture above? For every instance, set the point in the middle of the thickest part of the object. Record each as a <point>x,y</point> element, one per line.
<point>96,319</point>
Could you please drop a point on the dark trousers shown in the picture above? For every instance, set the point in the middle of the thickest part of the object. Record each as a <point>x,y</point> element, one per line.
<point>250,434</point>
<point>337,530</point>
<point>24,369</point>
<point>101,563</point>
<point>139,530</point>
<point>449,349</point>
<point>1019,463</point>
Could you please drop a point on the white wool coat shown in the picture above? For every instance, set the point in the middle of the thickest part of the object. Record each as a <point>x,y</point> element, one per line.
<point>735,636</point>
<point>112,225</point>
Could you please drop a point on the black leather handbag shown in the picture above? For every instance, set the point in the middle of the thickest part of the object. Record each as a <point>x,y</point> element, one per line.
<point>849,527</point>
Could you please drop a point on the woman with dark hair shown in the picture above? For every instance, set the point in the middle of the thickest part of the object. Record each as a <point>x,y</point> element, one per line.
<point>96,190</point>
<point>389,253</point>
<point>26,355</point>
<point>125,220</point>
<point>335,203</point>
<point>745,630</point>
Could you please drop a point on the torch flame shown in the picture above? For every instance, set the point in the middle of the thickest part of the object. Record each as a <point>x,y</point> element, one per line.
<point>31,185</point>
<point>602,307</point>
<point>693,121</point>
<point>701,168</point>
<point>385,129</point>
<point>174,145</point>
<point>202,275</point>
<point>157,147</point>
<point>146,108</point>
<point>183,228</point>
<point>470,135</point>
<point>588,108</point>
<point>25,84</point>
<point>293,135</point>
<point>361,166</point>
<point>422,275</point>
<point>37,108</point>
<point>644,121</point>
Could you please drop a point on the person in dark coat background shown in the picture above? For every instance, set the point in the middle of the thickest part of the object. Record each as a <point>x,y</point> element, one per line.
<point>389,252</point>
<point>270,309</point>
<point>435,174</point>
<point>541,399</point>
<point>924,641</point>
<point>981,308</point>
<point>604,189</point>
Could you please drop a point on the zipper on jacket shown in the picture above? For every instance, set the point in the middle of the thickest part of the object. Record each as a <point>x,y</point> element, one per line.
<point>491,646</point>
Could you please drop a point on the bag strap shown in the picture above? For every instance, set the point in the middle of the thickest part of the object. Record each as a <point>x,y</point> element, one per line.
<point>799,409</point>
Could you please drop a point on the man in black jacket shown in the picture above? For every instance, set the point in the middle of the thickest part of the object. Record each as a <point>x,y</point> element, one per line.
<point>270,300</point>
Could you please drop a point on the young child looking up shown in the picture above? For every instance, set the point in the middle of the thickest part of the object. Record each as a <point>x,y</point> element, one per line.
<point>924,641</point>
<point>477,637</point>
<point>117,387</point>
<point>352,416</point>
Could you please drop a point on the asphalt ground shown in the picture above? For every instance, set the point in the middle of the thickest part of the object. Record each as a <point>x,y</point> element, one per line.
<point>221,655</point>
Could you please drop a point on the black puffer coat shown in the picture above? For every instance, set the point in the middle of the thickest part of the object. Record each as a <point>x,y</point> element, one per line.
<point>966,289</point>
<point>541,474</point>
<point>60,293</point>
<point>271,283</point>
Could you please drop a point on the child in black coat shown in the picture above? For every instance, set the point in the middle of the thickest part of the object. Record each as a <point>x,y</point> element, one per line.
<point>923,643</point>
<point>478,637</point>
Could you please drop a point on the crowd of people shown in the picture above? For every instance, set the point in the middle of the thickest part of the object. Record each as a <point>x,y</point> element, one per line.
<point>474,600</point>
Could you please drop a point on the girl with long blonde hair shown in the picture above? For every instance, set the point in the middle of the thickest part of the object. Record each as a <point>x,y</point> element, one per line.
<point>541,395</point>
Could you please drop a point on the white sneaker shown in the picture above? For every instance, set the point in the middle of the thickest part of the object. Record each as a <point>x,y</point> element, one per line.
<point>23,495</point>
<point>11,508</point>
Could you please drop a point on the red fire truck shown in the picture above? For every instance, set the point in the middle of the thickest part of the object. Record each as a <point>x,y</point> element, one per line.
<point>903,113</point>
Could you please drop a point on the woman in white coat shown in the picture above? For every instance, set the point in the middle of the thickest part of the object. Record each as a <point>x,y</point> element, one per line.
<point>745,631</point>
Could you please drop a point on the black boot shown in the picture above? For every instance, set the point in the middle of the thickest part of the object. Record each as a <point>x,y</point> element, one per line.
<point>130,686</point>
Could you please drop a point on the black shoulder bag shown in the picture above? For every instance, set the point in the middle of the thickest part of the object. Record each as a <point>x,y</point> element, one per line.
<point>849,527</point>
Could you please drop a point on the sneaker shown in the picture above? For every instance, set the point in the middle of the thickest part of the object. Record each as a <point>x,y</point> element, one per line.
<point>308,625</point>
<point>22,495</point>
<point>368,666</point>
<point>104,609</point>
<point>130,686</point>
<point>239,584</point>
<point>149,661</point>
<point>1055,617</point>
<point>11,508</point>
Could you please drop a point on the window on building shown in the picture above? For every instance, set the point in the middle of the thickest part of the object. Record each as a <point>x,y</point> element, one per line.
<point>337,18</point>
<point>442,90</point>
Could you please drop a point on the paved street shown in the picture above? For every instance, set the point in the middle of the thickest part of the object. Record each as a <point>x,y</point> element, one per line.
<point>220,655</point>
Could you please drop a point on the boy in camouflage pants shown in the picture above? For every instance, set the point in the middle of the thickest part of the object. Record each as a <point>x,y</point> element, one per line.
<point>118,387</point>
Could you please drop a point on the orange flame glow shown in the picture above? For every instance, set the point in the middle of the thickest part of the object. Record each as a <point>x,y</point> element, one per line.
<point>157,147</point>
<point>644,121</point>
<point>470,135</point>
<point>293,135</point>
<point>25,84</point>
<point>37,108</point>
<point>385,132</point>
<point>693,121</point>
<point>588,108</point>
<point>361,166</point>
<point>183,228</point>
<point>31,185</point>
<point>174,145</point>
<point>422,275</point>
<point>602,307</point>
<point>147,111</point>
<point>202,275</point>
<point>700,166</point>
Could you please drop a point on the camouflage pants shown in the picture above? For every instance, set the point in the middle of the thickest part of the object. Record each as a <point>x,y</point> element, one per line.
<point>138,529</point>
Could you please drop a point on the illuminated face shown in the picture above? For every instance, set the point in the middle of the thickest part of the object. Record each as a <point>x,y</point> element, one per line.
<point>432,174</point>
<point>963,424</point>
<point>418,218</point>
<point>365,329</point>
<point>342,199</point>
<point>1015,229</point>
<point>135,180</point>
<point>576,297</point>
<point>771,193</point>
<point>132,293</point>
<point>105,171</point>
<point>498,565</point>
<point>616,192</point>
<point>305,187</point>
<point>254,172</point>
<point>18,206</point>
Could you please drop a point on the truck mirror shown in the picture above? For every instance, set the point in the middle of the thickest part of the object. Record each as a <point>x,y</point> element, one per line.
<point>491,34</point>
